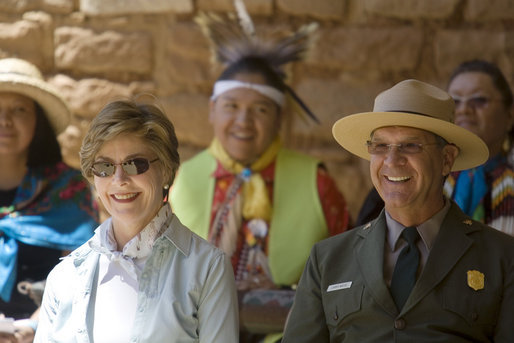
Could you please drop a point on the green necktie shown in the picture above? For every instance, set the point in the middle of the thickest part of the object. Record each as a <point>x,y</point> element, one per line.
<point>404,274</point>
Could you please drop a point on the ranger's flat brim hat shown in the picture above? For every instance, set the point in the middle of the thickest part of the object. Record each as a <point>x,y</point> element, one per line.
<point>22,77</point>
<point>416,104</point>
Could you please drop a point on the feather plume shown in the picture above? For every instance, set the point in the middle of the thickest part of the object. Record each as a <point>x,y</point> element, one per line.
<point>233,39</point>
<point>297,101</point>
<point>244,18</point>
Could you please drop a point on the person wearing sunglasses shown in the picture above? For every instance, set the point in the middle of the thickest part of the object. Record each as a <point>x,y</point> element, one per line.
<point>423,270</point>
<point>46,206</point>
<point>484,105</point>
<point>143,276</point>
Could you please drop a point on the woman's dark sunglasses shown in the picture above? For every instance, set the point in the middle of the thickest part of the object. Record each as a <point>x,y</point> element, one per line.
<point>134,166</point>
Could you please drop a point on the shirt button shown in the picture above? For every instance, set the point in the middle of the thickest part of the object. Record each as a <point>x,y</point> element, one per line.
<point>399,324</point>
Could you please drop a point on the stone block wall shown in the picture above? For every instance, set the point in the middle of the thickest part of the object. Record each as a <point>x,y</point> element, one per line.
<point>95,51</point>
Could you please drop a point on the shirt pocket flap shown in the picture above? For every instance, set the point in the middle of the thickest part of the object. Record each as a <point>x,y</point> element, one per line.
<point>340,303</point>
<point>476,307</point>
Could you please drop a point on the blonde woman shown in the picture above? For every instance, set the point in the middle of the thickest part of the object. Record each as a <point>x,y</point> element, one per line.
<point>144,276</point>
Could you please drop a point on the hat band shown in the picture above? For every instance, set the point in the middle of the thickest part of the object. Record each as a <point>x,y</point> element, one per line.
<point>15,73</point>
<point>411,112</point>
<point>223,86</point>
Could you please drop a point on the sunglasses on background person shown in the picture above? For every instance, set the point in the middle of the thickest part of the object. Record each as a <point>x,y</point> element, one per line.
<point>475,102</point>
<point>131,167</point>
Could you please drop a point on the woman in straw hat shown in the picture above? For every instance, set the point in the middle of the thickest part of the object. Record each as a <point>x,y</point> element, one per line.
<point>45,206</point>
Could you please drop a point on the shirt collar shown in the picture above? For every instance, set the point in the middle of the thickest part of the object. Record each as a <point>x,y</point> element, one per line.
<point>140,246</point>
<point>179,235</point>
<point>427,230</point>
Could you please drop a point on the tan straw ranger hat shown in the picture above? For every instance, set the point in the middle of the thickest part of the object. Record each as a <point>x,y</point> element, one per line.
<point>22,77</point>
<point>416,104</point>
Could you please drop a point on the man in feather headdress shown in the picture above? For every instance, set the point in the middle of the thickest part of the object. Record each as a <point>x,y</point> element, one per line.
<point>264,205</point>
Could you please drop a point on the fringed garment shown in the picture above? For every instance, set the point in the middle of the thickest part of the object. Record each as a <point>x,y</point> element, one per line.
<point>495,205</point>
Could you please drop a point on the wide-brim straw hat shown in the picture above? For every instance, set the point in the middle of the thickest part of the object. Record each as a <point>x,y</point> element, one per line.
<point>416,104</point>
<point>22,77</point>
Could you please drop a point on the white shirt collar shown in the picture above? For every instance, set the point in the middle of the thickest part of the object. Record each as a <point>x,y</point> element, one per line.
<point>138,248</point>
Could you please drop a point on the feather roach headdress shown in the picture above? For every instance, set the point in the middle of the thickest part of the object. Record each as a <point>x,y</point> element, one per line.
<point>235,39</point>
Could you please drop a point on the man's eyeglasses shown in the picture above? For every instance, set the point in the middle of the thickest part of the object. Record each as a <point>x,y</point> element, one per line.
<point>375,148</point>
<point>132,167</point>
<point>475,102</point>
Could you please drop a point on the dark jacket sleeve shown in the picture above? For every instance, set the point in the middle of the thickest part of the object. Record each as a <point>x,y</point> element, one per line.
<point>306,322</point>
<point>504,331</point>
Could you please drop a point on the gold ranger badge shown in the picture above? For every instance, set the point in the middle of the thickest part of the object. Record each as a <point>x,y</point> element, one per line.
<point>476,279</point>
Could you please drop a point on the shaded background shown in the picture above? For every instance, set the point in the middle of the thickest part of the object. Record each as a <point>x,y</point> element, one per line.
<point>95,51</point>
